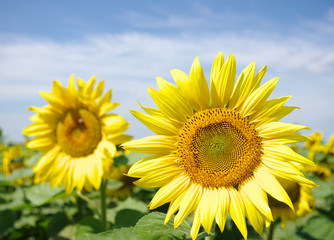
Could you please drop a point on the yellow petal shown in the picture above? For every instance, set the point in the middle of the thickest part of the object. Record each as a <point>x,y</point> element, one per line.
<point>106,107</point>
<point>253,215</point>
<point>223,207</point>
<point>173,207</point>
<point>243,87</point>
<point>170,191</point>
<point>196,224</point>
<point>53,100</point>
<point>268,109</point>
<point>98,90</point>
<point>287,139</point>
<point>208,206</point>
<point>41,143</point>
<point>47,158</point>
<point>166,106</point>
<point>257,196</point>
<point>174,95</point>
<point>215,78</point>
<point>157,144</point>
<point>151,163</point>
<point>71,84</point>
<point>114,124</point>
<point>237,211</point>
<point>278,129</point>
<point>188,203</point>
<point>38,129</point>
<point>257,98</point>
<point>258,77</point>
<point>198,85</point>
<point>270,184</point>
<point>89,86</point>
<point>159,178</point>
<point>182,81</point>
<point>284,153</point>
<point>156,124</point>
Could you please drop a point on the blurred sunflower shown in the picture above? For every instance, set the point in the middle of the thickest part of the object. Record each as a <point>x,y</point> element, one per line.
<point>218,150</point>
<point>314,144</point>
<point>330,146</point>
<point>14,158</point>
<point>302,198</point>
<point>322,172</point>
<point>118,174</point>
<point>77,134</point>
<point>11,153</point>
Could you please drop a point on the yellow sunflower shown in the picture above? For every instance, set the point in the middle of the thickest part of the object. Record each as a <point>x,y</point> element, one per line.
<point>77,134</point>
<point>314,145</point>
<point>11,153</point>
<point>302,198</point>
<point>217,150</point>
<point>118,173</point>
<point>322,172</point>
<point>14,157</point>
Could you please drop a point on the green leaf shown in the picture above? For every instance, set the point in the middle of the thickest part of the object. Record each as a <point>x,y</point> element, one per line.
<point>289,232</point>
<point>151,227</point>
<point>117,234</point>
<point>7,219</point>
<point>16,174</point>
<point>129,203</point>
<point>320,226</point>
<point>121,160</point>
<point>87,228</point>
<point>15,200</point>
<point>330,158</point>
<point>127,218</point>
<point>57,223</point>
<point>42,193</point>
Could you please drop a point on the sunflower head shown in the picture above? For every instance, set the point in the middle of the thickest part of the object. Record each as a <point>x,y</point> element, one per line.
<point>218,149</point>
<point>322,172</point>
<point>77,134</point>
<point>314,140</point>
<point>12,159</point>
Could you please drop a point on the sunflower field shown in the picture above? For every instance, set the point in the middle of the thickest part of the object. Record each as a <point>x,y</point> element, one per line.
<point>220,164</point>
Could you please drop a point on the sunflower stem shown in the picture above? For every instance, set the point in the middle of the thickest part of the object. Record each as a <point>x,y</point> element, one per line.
<point>80,207</point>
<point>103,203</point>
<point>270,234</point>
<point>89,202</point>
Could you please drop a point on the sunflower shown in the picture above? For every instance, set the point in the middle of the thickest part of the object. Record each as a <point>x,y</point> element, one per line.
<point>14,157</point>
<point>302,198</point>
<point>217,150</point>
<point>77,134</point>
<point>322,172</point>
<point>8,160</point>
<point>119,174</point>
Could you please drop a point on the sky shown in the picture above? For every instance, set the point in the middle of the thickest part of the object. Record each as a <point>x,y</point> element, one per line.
<point>129,43</point>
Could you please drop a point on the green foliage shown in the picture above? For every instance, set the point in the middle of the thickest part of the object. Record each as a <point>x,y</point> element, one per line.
<point>29,211</point>
<point>151,227</point>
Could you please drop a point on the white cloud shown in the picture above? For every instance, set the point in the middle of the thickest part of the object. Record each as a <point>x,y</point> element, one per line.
<point>129,63</point>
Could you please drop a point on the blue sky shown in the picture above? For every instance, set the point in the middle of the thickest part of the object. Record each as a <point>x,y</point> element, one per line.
<point>129,43</point>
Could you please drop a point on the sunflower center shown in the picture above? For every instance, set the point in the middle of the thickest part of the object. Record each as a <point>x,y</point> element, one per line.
<point>219,148</point>
<point>79,133</point>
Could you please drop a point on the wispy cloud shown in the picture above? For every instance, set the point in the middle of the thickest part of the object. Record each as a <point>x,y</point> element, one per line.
<point>130,61</point>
